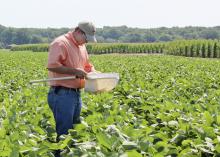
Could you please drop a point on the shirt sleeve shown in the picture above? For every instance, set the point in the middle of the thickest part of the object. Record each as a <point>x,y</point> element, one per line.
<point>56,55</point>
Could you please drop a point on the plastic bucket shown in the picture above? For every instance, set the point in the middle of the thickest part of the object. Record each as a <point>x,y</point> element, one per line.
<point>101,82</point>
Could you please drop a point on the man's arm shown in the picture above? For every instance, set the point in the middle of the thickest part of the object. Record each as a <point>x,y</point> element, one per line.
<point>80,73</point>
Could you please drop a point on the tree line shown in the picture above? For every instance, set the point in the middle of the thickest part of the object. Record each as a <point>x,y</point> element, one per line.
<point>107,34</point>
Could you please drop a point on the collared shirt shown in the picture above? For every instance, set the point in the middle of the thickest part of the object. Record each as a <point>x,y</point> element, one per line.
<point>64,51</point>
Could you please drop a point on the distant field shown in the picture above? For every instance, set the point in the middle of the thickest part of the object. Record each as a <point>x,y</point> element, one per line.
<point>188,48</point>
<point>164,105</point>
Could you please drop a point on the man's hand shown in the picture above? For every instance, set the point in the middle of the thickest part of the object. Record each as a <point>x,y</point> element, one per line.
<point>80,73</point>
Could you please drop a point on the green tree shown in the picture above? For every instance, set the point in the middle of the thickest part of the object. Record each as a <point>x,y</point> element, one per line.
<point>210,34</point>
<point>21,37</point>
<point>149,38</point>
<point>165,37</point>
<point>36,39</point>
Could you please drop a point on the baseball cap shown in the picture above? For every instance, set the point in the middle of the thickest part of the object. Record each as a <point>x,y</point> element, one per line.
<point>89,29</point>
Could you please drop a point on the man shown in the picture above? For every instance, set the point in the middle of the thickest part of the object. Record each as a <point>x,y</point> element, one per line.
<point>67,57</point>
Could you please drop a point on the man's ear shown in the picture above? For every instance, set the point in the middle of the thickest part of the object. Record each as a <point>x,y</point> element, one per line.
<point>77,30</point>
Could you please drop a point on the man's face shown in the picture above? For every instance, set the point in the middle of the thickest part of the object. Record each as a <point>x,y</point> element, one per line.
<point>81,37</point>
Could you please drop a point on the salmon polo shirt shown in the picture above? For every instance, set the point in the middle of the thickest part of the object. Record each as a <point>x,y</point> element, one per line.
<point>64,51</point>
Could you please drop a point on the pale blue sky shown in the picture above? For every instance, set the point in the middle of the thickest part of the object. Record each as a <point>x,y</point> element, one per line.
<point>136,13</point>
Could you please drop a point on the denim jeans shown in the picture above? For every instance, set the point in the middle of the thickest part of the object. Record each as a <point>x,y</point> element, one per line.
<point>66,107</point>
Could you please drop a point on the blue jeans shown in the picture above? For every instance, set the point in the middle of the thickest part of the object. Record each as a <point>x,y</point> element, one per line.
<point>66,107</point>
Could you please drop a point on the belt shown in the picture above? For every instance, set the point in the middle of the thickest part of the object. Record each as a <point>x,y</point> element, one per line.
<point>57,88</point>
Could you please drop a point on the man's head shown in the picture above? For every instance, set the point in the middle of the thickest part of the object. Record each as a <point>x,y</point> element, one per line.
<point>85,32</point>
<point>89,29</point>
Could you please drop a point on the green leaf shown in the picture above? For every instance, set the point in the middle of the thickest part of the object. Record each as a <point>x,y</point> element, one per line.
<point>208,118</point>
<point>173,123</point>
<point>209,131</point>
<point>127,145</point>
<point>217,148</point>
<point>5,153</point>
<point>133,153</point>
<point>65,142</point>
<point>160,146</point>
<point>104,140</point>
<point>218,119</point>
<point>186,142</point>
<point>145,145</point>
<point>15,152</point>
<point>2,133</point>
<point>24,149</point>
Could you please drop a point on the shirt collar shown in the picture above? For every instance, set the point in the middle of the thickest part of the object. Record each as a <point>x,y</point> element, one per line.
<point>69,36</point>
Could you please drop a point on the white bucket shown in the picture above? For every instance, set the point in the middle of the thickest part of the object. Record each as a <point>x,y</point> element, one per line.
<point>101,82</point>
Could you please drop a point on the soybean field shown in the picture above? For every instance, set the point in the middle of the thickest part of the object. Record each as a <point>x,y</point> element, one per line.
<point>163,106</point>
